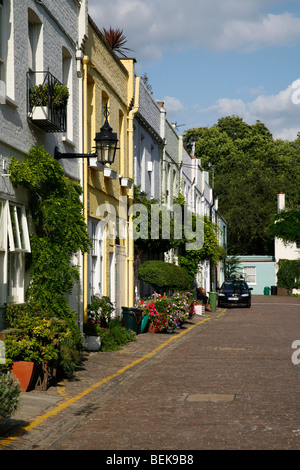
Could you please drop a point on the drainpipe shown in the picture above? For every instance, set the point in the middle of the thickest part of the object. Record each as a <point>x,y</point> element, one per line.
<point>130,257</point>
<point>85,182</point>
<point>79,57</point>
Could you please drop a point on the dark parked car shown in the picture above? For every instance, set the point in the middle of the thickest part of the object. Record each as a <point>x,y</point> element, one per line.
<point>234,292</point>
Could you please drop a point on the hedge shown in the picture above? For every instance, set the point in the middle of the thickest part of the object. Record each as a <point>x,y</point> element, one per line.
<point>161,275</point>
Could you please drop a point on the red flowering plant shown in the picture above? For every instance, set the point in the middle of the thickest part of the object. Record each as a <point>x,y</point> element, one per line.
<point>168,313</point>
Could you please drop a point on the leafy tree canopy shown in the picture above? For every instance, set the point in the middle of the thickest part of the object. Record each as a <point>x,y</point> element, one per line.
<point>286,225</point>
<point>250,169</point>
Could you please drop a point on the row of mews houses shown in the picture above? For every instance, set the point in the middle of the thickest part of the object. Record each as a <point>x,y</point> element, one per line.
<point>55,42</point>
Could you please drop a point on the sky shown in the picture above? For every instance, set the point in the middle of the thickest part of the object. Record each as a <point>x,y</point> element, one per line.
<point>207,59</point>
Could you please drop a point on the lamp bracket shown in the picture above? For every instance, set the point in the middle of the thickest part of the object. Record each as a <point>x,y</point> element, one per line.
<point>58,155</point>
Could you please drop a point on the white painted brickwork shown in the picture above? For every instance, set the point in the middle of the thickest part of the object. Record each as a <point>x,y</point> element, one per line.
<point>57,23</point>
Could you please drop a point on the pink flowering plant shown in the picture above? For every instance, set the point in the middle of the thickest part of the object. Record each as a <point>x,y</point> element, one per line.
<point>168,313</point>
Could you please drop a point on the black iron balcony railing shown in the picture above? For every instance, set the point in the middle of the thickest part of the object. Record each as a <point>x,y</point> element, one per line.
<point>47,101</point>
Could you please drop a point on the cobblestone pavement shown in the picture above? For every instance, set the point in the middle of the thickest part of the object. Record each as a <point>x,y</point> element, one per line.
<point>227,381</point>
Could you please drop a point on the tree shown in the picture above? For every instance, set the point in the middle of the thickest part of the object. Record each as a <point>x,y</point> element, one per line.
<point>286,225</point>
<point>232,267</point>
<point>211,250</point>
<point>251,168</point>
<point>288,275</point>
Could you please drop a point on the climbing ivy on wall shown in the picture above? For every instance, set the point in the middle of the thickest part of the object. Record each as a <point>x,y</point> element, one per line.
<point>60,230</point>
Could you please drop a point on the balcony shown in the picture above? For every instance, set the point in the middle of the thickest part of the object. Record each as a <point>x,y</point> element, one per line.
<point>47,101</point>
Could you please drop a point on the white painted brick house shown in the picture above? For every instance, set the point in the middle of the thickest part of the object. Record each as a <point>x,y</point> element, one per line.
<point>148,144</point>
<point>40,40</point>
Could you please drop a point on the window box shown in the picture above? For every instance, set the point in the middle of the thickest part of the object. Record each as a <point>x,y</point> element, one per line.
<point>109,173</point>
<point>93,163</point>
<point>126,182</point>
<point>47,102</point>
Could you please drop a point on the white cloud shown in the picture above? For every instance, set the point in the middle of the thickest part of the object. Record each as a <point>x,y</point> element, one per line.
<point>269,30</point>
<point>154,25</point>
<point>172,105</point>
<point>280,112</point>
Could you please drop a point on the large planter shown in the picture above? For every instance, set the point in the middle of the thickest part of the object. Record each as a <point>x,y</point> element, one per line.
<point>25,373</point>
<point>93,343</point>
<point>151,328</point>
<point>40,113</point>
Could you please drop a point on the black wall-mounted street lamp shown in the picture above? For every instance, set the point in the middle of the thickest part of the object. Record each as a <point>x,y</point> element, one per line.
<point>106,145</point>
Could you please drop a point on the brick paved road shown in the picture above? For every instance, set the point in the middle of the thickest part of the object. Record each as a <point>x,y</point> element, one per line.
<point>227,383</point>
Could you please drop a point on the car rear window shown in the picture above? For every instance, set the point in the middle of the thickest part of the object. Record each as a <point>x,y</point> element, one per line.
<point>234,285</point>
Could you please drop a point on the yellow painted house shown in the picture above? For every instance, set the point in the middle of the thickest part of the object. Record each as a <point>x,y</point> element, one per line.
<point>108,83</point>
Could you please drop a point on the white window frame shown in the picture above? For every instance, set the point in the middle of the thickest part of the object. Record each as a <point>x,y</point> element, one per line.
<point>96,258</point>
<point>247,275</point>
<point>14,243</point>
<point>68,80</point>
<point>3,64</point>
<point>1,39</point>
<point>35,47</point>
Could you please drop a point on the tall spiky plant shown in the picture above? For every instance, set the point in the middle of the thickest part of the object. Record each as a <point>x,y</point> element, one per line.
<point>116,40</point>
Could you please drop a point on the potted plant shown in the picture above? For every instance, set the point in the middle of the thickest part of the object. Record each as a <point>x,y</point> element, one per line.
<point>99,314</point>
<point>92,336</point>
<point>60,96</point>
<point>32,344</point>
<point>42,96</point>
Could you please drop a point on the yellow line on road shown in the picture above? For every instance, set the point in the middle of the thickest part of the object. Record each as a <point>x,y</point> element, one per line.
<point>66,404</point>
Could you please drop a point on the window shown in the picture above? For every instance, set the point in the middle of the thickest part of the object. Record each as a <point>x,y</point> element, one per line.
<point>250,274</point>
<point>105,104</point>
<point>96,258</point>
<point>175,192</point>
<point>143,163</point>
<point>67,80</point>
<point>3,53</point>
<point>1,41</point>
<point>121,144</point>
<point>35,50</point>
<point>14,243</point>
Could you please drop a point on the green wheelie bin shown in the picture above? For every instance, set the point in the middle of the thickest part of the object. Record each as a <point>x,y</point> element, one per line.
<point>132,318</point>
<point>213,301</point>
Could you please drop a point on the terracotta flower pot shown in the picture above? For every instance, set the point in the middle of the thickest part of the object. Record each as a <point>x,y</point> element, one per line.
<point>24,372</point>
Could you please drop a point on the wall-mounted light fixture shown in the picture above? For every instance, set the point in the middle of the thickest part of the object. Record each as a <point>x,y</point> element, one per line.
<point>106,145</point>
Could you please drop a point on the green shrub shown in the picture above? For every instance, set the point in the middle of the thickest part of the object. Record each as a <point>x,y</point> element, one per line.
<point>39,95</point>
<point>37,336</point>
<point>115,336</point>
<point>288,275</point>
<point>9,395</point>
<point>164,276</point>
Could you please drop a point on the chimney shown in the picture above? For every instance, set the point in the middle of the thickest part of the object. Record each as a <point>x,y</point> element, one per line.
<point>280,202</point>
<point>160,104</point>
